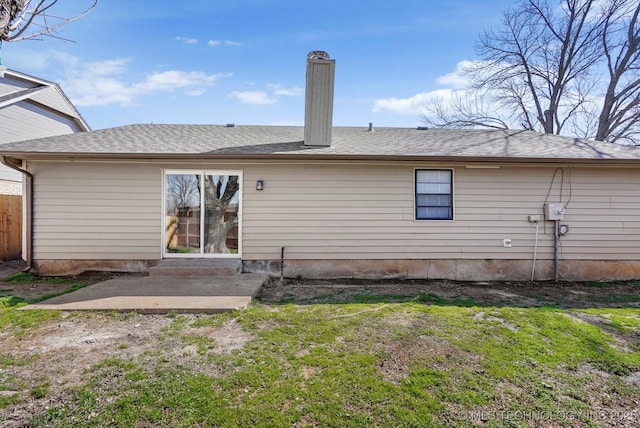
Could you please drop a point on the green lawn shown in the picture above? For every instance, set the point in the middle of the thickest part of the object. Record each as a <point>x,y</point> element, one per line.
<point>424,363</point>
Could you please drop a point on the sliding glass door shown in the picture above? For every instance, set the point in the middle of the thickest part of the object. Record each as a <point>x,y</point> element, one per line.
<point>202,213</point>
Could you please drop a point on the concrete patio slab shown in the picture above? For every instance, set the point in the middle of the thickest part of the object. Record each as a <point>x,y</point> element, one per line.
<point>145,294</point>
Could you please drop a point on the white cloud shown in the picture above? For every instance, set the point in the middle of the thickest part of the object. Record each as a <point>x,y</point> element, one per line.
<point>265,97</point>
<point>224,42</point>
<point>107,67</point>
<point>175,79</point>
<point>108,81</point>
<point>103,82</point>
<point>454,95</point>
<point>187,40</point>
<point>412,105</point>
<point>195,92</point>
<point>457,79</point>
<point>96,83</point>
<point>278,89</point>
<point>253,97</point>
<point>454,85</point>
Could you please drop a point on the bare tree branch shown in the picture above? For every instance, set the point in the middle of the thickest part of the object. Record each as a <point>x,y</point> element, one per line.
<point>29,19</point>
<point>460,115</point>
<point>542,70</point>
<point>618,118</point>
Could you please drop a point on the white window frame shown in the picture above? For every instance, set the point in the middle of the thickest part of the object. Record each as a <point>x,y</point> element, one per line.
<point>415,195</point>
<point>202,173</point>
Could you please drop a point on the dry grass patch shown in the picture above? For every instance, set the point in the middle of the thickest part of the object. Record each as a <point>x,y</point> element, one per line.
<point>428,360</point>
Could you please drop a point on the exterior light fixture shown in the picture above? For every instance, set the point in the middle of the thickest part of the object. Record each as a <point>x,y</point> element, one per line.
<point>259,185</point>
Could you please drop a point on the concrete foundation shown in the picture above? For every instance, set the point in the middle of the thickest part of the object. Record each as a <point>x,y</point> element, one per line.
<point>75,267</point>
<point>460,270</point>
<point>190,268</point>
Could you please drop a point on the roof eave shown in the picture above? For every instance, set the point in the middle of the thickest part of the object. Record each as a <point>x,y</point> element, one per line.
<point>299,156</point>
<point>27,77</point>
<point>78,119</point>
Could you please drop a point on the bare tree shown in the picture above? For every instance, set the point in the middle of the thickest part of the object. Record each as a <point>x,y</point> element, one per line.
<point>544,70</point>
<point>30,19</point>
<point>461,113</point>
<point>182,192</point>
<point>620,114</point>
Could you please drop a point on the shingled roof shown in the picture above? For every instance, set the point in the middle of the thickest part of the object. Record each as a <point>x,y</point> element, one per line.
<point>223,141</point>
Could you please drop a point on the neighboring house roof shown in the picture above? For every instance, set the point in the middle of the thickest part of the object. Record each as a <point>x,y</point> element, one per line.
<point>21,89</point>
<point>33,108</point>
<point>215,141</point>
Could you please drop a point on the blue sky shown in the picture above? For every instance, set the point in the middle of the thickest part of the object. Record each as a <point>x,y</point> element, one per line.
<point>244,61</point>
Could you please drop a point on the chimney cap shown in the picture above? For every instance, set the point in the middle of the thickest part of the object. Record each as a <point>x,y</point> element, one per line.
<point>317,55</point>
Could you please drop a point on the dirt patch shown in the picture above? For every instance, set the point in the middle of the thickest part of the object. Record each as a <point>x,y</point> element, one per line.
<point>11,266</point>
<point>395,366</point>
<point>563,295</point>
<point>62,353</point>
<point>227,338</point>
<point>71,346</point>
<point>41,287</point>
<point>30,291</point>
<point>65,350</point>
<point>308,371</point>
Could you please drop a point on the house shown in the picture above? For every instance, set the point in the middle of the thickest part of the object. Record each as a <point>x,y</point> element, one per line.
<point>324,201</point>
<point>31,108</point>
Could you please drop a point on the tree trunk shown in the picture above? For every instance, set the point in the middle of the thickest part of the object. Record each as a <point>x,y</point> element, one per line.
<point>217,230</point>
<point>605,115</point>
<point>217,199</point>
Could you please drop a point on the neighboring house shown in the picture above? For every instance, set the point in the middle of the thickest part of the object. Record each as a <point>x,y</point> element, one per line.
<point>31,108</point>
<point>336,202</point>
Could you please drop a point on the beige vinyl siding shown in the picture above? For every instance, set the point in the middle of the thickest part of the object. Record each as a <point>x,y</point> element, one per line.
<point>96,211</point>
<point>604,215</point>
<point>343,211</point>
<point>367,212</point>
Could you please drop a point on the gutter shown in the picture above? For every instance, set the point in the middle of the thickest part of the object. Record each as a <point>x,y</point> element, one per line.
<point>29,208</point>
<point>110,156</point>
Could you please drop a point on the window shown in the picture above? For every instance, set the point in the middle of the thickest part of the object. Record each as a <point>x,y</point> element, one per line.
<point>434,194</point>
<point>202,213</point>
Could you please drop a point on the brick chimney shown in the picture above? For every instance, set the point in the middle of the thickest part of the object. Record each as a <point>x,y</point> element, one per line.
<point>318,111</point>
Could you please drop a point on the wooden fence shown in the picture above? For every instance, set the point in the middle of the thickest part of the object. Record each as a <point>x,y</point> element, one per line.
<point>10,227</point>
<point>183,232</point>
